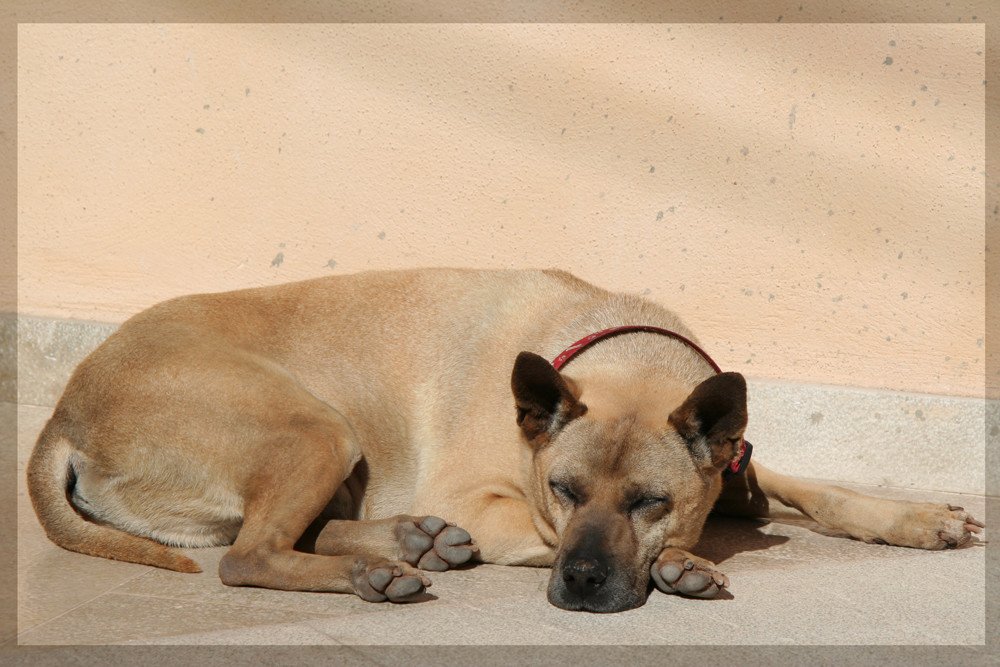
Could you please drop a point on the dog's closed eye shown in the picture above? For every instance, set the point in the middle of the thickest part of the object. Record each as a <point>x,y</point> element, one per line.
<point>564,493</point>
<point>648,503</point>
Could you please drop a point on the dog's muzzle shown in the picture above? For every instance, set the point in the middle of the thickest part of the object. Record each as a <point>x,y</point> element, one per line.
<point>583,581</point>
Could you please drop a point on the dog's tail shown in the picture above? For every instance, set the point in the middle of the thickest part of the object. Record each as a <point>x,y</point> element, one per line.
<point>50,481</point>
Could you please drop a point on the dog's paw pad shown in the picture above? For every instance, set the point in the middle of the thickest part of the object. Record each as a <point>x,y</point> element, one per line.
<point>454,545</point>
<point>431,561</point>
<point>680,574</point>
<point>403,589</point>
<point>414,544</point>
<point>431,543</point>
<point>395,582</point>
<point>432,525</point>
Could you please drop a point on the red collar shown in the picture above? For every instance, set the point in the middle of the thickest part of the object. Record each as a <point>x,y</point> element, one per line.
<point>738,465</point>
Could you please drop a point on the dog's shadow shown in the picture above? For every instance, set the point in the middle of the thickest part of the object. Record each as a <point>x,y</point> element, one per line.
<point>725,536</point>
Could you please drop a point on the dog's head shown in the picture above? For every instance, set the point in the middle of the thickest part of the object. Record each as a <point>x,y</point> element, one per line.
<point>621,469</point>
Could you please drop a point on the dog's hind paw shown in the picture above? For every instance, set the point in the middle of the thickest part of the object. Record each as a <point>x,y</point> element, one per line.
<point>431,543</point>
<point>384,580</point>
<point>676,571</point>
<point>928,526</point>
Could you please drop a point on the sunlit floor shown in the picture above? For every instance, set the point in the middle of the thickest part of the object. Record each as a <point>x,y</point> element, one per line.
<point>790,584</point>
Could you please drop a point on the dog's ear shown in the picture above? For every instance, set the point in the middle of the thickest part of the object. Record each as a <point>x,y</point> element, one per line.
<point>544,398</point>
<point>712,419</point>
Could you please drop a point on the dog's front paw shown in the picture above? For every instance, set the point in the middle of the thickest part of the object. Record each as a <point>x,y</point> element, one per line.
<point>929,526</point>
<point>676,571</point>
<point>384,580</point>
<point>431,543</point>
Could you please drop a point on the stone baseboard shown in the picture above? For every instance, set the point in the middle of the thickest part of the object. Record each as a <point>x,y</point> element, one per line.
<point>864,436</point>
<point>48,351</point>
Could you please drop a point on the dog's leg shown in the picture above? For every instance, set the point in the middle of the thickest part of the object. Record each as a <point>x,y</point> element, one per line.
<point>427,542</point>
<point>286,493</point>
<point>870,519</point>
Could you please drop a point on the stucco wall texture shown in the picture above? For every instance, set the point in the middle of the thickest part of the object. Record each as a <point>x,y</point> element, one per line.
<point>809,197</point>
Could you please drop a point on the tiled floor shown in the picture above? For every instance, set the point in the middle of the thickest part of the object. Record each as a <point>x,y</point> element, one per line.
<point>791,584</point>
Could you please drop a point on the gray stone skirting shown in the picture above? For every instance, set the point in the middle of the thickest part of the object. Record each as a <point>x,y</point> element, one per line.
<point>826,432</point>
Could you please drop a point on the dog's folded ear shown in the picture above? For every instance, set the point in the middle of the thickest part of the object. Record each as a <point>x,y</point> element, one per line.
<point>712,419</point>
<point>544,398</point>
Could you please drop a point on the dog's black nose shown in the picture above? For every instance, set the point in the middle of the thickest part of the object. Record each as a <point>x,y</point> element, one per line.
<point>584,576</point>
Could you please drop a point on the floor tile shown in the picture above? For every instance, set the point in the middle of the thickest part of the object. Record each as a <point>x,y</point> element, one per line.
<point>270,635</point>
<point>882,601</point>
<point>115,618</point>
<point>437,623</point>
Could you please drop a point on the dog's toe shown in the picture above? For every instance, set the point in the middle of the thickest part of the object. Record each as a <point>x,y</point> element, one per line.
<point>455,546</point>
<point>432,525</point>
<point>404,589</point>
<point>431,561</point>
<point>396,582</point>
<point>415,543</point>
<point>416,539</point>
<point>380,577</point>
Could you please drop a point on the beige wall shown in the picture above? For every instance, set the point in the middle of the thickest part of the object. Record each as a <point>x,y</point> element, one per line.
<point>810,197</point>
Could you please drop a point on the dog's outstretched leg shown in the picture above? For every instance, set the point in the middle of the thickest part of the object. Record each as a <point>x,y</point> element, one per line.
<point>876,520</point>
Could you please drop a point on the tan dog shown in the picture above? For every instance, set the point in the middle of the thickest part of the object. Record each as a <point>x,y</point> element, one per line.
<point>342,416</point>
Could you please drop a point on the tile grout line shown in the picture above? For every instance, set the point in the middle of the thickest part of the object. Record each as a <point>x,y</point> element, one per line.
<point>889,487</point>
<point>241,605</point>
<point>111,590</point>
<point>340,642</point>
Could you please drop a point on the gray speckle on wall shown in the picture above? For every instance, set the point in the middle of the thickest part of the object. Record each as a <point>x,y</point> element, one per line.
<point>278,259</point>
